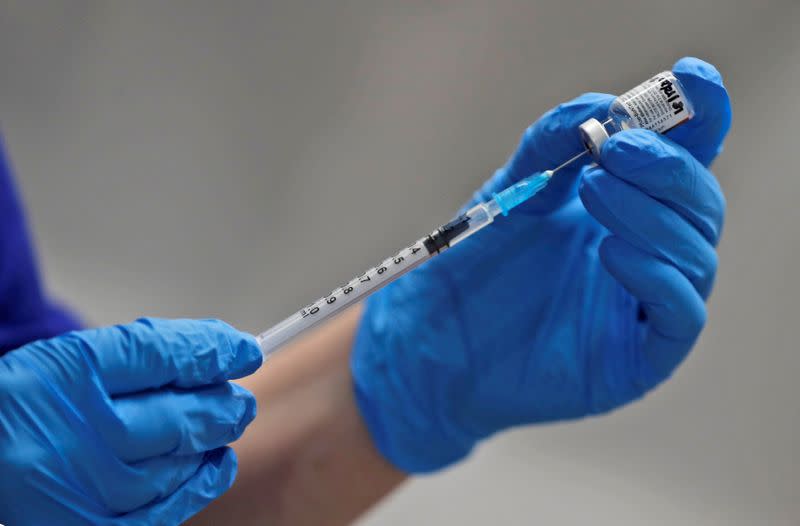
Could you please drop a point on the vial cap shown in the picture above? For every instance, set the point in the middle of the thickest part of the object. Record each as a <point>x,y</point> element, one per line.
<point>593,135</point>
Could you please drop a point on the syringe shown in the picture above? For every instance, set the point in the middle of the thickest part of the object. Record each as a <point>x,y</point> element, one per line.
<point>659,104</point>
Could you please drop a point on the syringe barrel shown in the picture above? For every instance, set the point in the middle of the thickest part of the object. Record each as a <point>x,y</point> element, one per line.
<point>343,297</point>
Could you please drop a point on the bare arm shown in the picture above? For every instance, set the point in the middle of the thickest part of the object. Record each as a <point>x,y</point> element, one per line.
<point>307,458</point>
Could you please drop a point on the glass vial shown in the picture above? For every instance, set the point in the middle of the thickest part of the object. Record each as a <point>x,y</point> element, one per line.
<point>658,104</point>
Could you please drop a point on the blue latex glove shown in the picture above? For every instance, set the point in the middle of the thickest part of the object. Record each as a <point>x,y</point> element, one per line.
<point>582,300</point>
<point>26,314</point>
<point>123,425</point>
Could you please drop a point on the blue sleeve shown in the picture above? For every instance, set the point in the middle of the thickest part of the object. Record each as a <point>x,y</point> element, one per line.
<point>26,313</point>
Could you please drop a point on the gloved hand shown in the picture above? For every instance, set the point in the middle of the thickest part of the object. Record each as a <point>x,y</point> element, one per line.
<point>580,301</point>
<point>123,425</point>
<point>26,314</point>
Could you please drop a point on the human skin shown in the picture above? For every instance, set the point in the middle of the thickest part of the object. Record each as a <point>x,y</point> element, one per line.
<point>308,457</point>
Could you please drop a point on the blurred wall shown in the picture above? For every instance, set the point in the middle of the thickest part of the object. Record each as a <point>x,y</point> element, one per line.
<point>235,159</point>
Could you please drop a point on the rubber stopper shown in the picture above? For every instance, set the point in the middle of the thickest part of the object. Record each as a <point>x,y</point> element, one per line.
<point>594,135</point>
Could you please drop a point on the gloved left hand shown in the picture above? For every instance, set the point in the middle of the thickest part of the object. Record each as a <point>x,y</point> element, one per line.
<point>26,312</point>
<point>122,425</point>
<point>580,301</point>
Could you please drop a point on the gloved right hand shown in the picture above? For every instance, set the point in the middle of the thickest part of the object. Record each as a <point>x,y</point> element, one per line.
<point>580,301</point>
<point>122,425</point>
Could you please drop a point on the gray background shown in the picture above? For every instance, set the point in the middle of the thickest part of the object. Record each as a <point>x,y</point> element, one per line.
<point>236,159</point>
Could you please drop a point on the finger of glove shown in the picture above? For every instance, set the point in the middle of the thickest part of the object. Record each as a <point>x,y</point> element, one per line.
<point>215,477</point>
<point>548,142</point>
<point>150,480</point>
<point>675,311</point>
<point>151,353</point>
<point>668,172</point>
<point>704,133</point>
<point>650,226</point>
<point>179,422</point>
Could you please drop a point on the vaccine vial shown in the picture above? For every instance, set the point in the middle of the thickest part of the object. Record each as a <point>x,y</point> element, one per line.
<point>658,104</point>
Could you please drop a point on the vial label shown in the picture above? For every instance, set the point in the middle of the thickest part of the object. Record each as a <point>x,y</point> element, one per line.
<point>658,104</point>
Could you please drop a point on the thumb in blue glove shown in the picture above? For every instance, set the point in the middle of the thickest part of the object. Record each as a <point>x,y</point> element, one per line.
<point>575,304</point>
<point>124,424</point>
